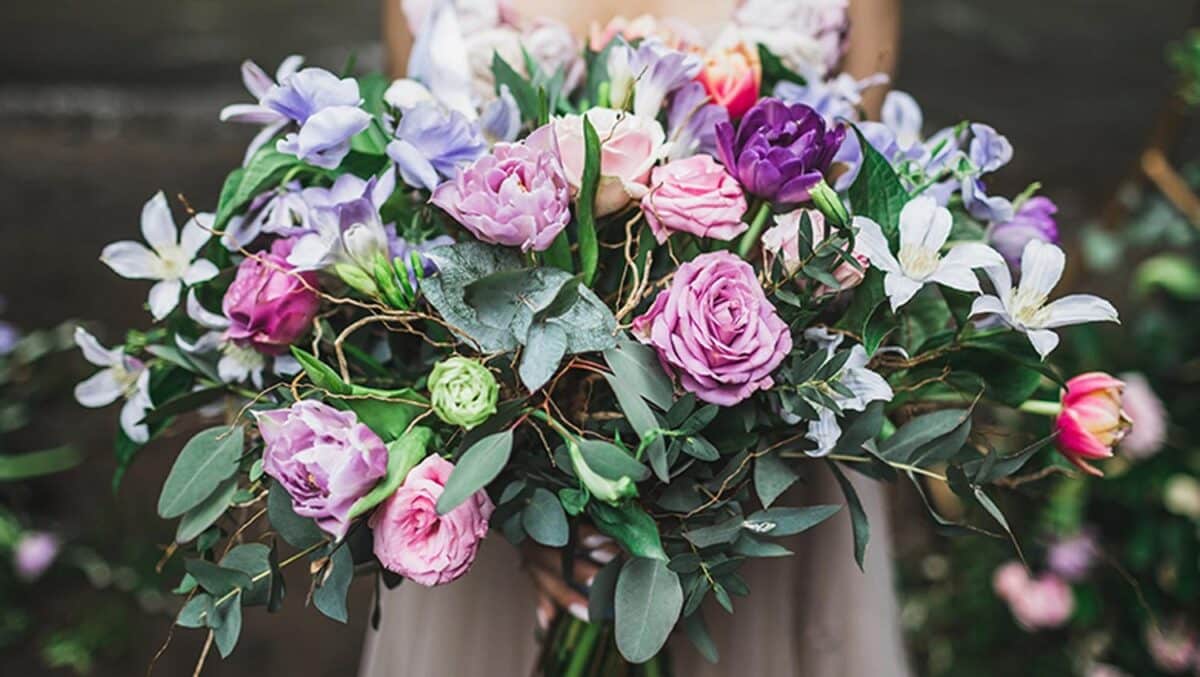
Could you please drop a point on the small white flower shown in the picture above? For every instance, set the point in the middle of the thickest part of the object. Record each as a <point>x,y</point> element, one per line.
<point>237,363</point>
<point>866,386</point>
<point>924,228</point>
<point>170,259</point>
<point>122,376</point>
<point>1025,309</point>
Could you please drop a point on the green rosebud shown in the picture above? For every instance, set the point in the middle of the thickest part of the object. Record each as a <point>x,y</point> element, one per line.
<point>829,203</point>
<point>463,392</point>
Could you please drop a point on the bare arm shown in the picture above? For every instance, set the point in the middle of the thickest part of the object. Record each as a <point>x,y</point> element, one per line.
<point>874,44</point>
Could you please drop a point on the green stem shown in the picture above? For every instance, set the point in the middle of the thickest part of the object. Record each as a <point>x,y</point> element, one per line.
<point>582,653</point>
<point>1041,408</point>
<point>746,244</point>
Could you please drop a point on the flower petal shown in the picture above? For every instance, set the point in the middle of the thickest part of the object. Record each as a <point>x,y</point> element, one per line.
<point>250,114</point>
<point>101,390</point>
<point>955,276</point>
<point>988,305</point>
<point>196,233</point>
<point>973,255</point>
<point>203,316</point>
<point>1044,341</point>
<point>1041,267</point>
<point>1078,309</point>
<point>132,260</point>
<point>872,244</point>
<point>132,413</point>
<point>158,226</point>
<point>164,297</point>
<point>923,223</point>
<point>900,289</point>
<point>94,352</point>
<point>201,270</point>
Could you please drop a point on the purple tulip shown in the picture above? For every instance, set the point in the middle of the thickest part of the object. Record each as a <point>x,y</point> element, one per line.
<point>1033,221</point>
<point>325,459</point>
<point>779,152</point>
<point>270,304</point>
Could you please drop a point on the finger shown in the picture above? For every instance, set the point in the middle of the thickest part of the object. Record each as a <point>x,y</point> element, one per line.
<point>545,612</point>
<point>556,588</point>
<point>550,559</point>
<point>599,548</point>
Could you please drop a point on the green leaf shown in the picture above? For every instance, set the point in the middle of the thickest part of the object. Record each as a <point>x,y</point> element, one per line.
<point>226,634</point>
<point>863,428</point>
<point>207,460</point>
<point>201,517</point>
<point>859,525</point>
<point>14,467</point>
<point>386,412</point>
<point>298,532</point>
<point>772,477</point>
<point>920,432</point>
<point>868,302</point>
<point>544,349</point>
<point>264,171</point>
<point>522,90</point>
<point>544,519</point>
<point>330,595</point>
<point>775,71</point>
<point>721,533</point>
<point>994,510</point>
<point>215,579</point>
<point>700,449</point>
<point>559,254</point>
<point>643,421</point>
<point>630,526</point>
<point>877,193</point>
<point>993,467</point>
<point>194,613</point>
<point>777,522</point>
<point>585,204</point>
<point>697,632</point>
<point>574,501</point>
<point>648,602</point>
<point>638,365</point>
<point>185,403</point>
<point>254,560</point>
<point>403,455</point>
<point>611,462</point>
<point>602,591</point>
<point>478,466</point>
<point>1175,274</point>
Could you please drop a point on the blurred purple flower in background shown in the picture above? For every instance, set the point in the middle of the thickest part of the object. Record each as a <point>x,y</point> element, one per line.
<point>9,336</point>
<point>34,553</point>
<point>649,73</point>
<point>432,142</point>
<point>1033,220</point>
<point>1072,558</point>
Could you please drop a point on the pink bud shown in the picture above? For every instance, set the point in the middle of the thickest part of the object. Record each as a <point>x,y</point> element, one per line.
<point>1091,422</point>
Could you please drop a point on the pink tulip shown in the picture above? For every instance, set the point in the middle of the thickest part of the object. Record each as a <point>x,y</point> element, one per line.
<point>732,77</point>
<point>1091,422</point>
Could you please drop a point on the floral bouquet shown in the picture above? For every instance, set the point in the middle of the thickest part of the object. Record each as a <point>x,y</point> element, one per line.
<point>639,290</point>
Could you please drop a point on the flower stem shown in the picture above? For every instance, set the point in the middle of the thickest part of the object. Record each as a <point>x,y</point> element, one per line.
<point>746,244</point>
<point>1041,408</point>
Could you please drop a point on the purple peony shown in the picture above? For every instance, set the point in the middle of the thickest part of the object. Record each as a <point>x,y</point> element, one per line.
<point>324,458</point>
<point>779,152</point>
<point>715,328</point>
<point>517,196</point>
<point>1033,221</point>
<point>270,304</point>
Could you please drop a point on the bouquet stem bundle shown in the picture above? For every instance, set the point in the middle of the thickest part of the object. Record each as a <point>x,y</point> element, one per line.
<point>577,648</point>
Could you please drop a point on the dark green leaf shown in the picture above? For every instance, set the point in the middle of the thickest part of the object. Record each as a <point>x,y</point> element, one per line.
<point>330,595</point>
<point>877,193</point>
<point>642,419</point>
<point>522,90</point>
<point>476,469</point>
<point>254,560</point>
<point>14,467</point>
<point>648,602</point>
<point>630,526</point>
<point>777,522</point>
<point>697,632</point>
<point>921,431</point>
<point>859,525</point>
<point>721,533</point>
<point>262,173</point>
<point>207,460</point>
<point>195,612</point>
<point>585,204</point>
<point>638,365</point>
<point>610,461</point>
<point>772,477</point>
<point>216,580</point>
<point>298,532</point>
<point>195,521</point>
<point>602,591</point>
<point>403,455</point>
<point>701,449</point>
<point>225,635</point>
<point>544,350</point>
<point>544,519</point>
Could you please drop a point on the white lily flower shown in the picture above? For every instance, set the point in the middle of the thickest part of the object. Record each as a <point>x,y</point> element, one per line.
<point>237,363</point>
<point>924,228</point>
<point>170,259</point>
<point>1025,309</point>
<point>122,376</point>
<point>866,386</point>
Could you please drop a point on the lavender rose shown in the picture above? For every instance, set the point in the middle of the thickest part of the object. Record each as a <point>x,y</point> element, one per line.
<point>270,304</point>
<point>413,540</point>
<point>517,196</point>
<point>324,458</point>
<point>694,195</point>
<point>716,329</point>
<point>779,152</point>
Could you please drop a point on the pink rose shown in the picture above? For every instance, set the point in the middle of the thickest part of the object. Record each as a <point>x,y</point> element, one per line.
<point>732,76</point>
<point>716,329</point>
<point>695,195</point>
<point>270,304</point>
<point>1091,422</point>
<point>783,240</point>
<point>413,540</point>
<point>630,147</point>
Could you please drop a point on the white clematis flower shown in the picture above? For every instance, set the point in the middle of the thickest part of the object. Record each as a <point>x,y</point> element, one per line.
<point>237,363</point>
<point>924,228</point>
<point>122,376</point>
<point>170,259</point>
<point>866,386</point>
<point>1025,309</point>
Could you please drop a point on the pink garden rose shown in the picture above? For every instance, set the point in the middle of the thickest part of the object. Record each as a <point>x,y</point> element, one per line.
<point>715,328</point>
<point>782,241</point>
<point>1091,422</point>
<point>270,304</point>
<point>413,540</point>
<point>695,195</point>
<point>630,147</point>
<point>516,196</point>
<point>324,458</point>
<point>732,76</point>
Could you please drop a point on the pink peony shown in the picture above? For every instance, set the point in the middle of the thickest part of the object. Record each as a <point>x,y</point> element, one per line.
<point>695,195</point>
<point>732,77</point>
<point>783,240</point>
<point>629,148</point>
<point>1091,422</point>
<point>270,304</point>
<point>716,329</point>
<point>413,540</point>
<point>517,196</point>
<point>324,458</point>
<point>1148,415</point>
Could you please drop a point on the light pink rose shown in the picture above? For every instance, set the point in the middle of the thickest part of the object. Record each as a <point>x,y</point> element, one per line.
<point>695,195</point>
<point>412,540</point>
<point>783,240</point>
<point>630,147</point>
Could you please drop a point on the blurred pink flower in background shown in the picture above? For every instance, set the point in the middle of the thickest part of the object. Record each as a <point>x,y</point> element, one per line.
<point>1173,647</point>
<point>1149,417</point>
<point>1041,603</point>
<point>34,553</point>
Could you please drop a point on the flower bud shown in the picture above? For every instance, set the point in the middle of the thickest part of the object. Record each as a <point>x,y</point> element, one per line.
<point>463,392</point>
<point>1091,422</point>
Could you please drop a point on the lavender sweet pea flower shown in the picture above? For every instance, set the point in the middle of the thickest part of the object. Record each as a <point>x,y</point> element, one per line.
<point>779,152</point>
<point>989,150</point>
<point>432,142</point>
<point>986,208</point>
<point>500,121</point>
<point>326,108</point>
<point>446,72</point>
<point>836,98</point>
<point>650,73</point>
<point>282,211</point>
<point>1034,220</point>
<point>350,233</point>
<point>325,459</point>
<point>1072,558</point>
<point>692,120</point>
<point>258,83</point>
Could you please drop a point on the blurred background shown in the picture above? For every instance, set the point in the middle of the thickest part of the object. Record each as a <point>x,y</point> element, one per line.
<point>105,103</point>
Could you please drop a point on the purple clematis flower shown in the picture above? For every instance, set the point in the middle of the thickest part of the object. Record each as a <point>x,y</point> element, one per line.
<point>432,142</point>
<point>328,110</point>
<point>779,152</point>
<point>989,150</point>
<point>258,83</point>
<point>1034,220</point>
<point>650,73</point>
<point>692,120</point>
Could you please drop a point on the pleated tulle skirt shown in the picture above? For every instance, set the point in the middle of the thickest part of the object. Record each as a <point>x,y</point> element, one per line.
<point>813,614</point>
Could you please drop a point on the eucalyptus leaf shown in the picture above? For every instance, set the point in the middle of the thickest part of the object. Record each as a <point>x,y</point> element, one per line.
<point>545,347</point>
<point>776,522</point>
<point>330,594</point>
<point>226,635</point>
<point>859,526</point>
<point>195,521</point>
<point>298,532</point>
<point>254,560</point>
<point>648,603</point>
<point>602,591</point>
<point>207,460</point>
<point>476,469</point>
<point>643,420</point>
<point>772,477</point>
<point>544,520</point>
<point>195,611</point>
<point>638,365</point>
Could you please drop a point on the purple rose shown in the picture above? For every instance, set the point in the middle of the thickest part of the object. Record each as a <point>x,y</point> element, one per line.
<point>779,152</point>
<point>1033,221</point>
<point>271,304</point>
<point>715,328</point>
<point>34,553</point>
<point>517,196</point>
<point>324,458</point>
